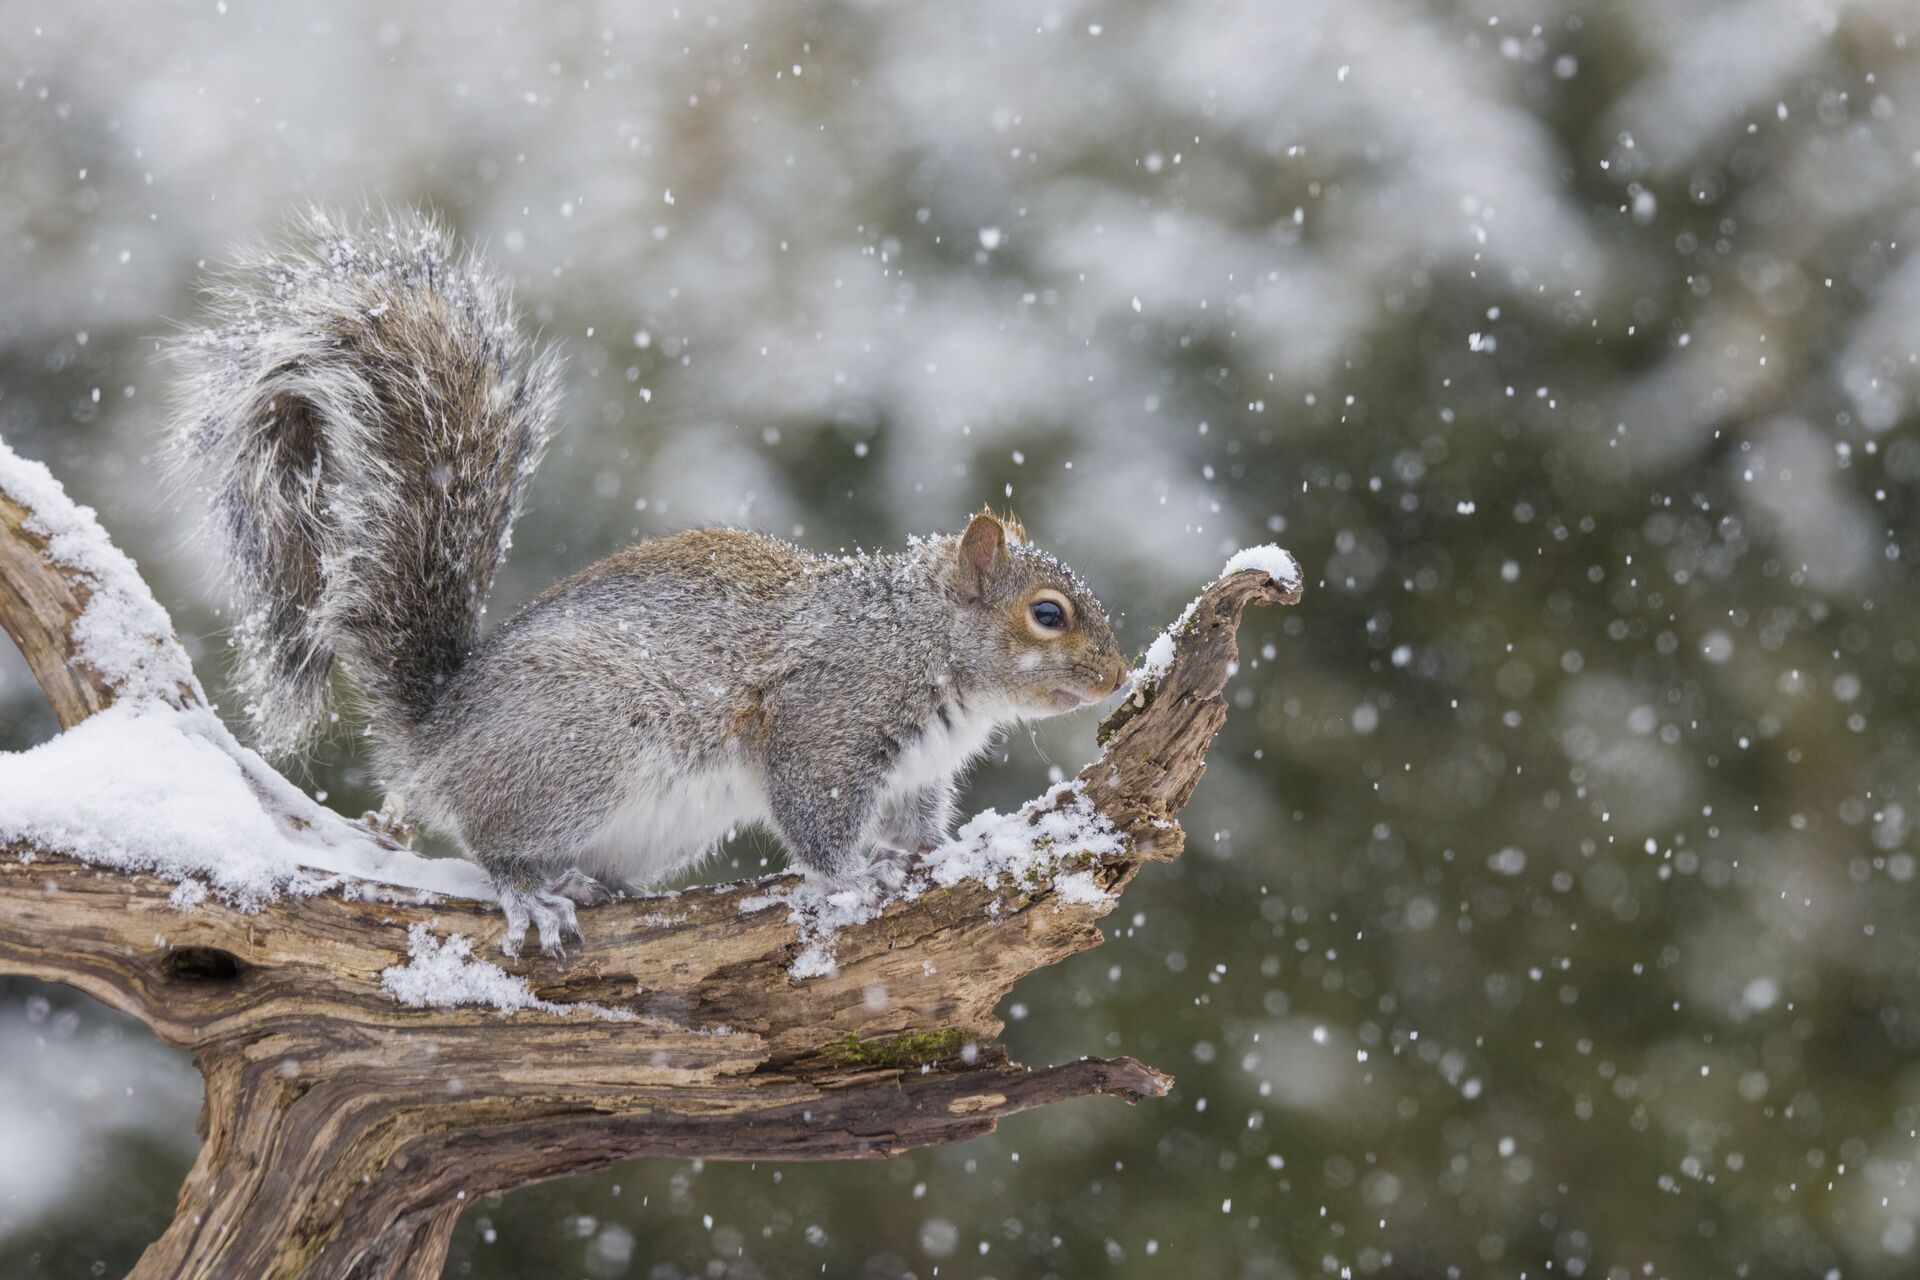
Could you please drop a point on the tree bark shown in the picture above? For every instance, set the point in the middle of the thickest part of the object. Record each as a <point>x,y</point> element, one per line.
<point>38,609</point>
<point>343,1132</point>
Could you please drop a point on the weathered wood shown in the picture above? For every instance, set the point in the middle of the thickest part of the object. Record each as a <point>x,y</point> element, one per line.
<point>343,1131</point>
<point>38,608</point>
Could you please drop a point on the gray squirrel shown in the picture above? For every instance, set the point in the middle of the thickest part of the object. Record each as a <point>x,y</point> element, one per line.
<point>365,416</point>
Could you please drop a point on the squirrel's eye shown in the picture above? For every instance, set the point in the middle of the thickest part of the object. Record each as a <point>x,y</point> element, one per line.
<point>1049,616</point>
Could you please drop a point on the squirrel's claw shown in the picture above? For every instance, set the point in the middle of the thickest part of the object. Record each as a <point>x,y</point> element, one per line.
<point>388,824</point>
<point>550,914</point>
<point>386,834</point>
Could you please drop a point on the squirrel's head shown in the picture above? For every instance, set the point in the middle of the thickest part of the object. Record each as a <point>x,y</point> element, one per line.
<point>1036,628</point>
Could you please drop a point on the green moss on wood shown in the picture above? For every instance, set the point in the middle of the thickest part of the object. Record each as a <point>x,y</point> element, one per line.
<point>909,1049</point>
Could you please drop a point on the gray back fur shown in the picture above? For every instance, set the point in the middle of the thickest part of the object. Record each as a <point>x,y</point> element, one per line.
<point>352,380</point>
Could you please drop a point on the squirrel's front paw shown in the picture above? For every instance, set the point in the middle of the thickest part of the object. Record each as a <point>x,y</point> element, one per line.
<point>389,826</point>
<point>882,878</point>
<point>893,867</point>
<point>548,912</point>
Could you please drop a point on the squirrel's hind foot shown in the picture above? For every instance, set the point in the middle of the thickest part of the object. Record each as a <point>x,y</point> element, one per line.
<point>582,889</point>
<point>551,915</point>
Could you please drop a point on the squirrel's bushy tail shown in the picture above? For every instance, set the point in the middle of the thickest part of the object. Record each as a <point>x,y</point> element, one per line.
<point>365,416</point>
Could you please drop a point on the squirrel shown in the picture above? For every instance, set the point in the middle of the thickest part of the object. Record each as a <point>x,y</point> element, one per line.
<point>365,415</point>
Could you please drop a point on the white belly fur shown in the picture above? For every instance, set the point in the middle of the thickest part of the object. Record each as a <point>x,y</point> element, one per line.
<point>940,751</point>
<point>671,821</point>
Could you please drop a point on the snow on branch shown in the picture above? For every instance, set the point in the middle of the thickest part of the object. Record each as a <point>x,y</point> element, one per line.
<point>76,606</point>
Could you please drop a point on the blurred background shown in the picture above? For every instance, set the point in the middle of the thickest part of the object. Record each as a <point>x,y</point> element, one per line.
<point>1549,907</point>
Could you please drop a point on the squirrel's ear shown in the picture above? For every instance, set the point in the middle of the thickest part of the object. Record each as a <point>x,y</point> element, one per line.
<point>983,556</point>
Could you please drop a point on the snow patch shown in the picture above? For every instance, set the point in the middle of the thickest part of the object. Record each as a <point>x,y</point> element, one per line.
<point>143,787</point>
<point>122,633</point>
<point>818,911</point>
<point>1271,559</point>
<point>1026,847</point>
<point>1025,851</point>
<point>129,789</point>
<point>1274,561</point>
<point>442,974</point>
<point>1080,886</point>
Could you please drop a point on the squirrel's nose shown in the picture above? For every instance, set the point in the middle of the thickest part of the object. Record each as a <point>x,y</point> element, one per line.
<point>1119,675</point>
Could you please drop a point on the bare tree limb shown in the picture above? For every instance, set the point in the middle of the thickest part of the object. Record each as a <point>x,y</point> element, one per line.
<point>342,1129</point>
